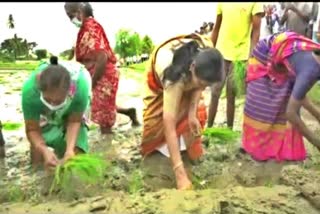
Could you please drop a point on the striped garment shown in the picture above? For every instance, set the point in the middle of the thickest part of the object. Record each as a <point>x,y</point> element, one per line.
<point>270,80</point>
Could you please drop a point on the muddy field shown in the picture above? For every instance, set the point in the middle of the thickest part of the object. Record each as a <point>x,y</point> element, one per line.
<point>225,180</point>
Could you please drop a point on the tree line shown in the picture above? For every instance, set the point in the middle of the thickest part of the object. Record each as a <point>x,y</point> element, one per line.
<point>129,44</point>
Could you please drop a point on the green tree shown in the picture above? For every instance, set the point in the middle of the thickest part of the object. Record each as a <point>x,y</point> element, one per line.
<point>41,53</point>
<point>147,45</point>
<point>136,43</point>
<point>67,53</point>
<point>11,24</point>
<point>17,47</point>
<point>128,44</point>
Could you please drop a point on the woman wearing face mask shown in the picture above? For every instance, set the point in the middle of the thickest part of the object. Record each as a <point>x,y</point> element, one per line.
<point>54,100</point>
<point>180,69</point>
<point>93,50</point>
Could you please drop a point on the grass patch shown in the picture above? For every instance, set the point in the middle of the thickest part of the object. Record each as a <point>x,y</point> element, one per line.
<point>11,126</point>
<point>140,67</point>
<point>19,65</point>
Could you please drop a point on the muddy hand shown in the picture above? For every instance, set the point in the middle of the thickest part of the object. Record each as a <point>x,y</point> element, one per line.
<point>68,155</point>
<point>195,127</point>
<point>50,160</point>
<point>183,182</point>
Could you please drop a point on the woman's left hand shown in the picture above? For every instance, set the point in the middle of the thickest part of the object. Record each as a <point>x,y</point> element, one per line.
<point>195,126</point>
<point>68,155</point>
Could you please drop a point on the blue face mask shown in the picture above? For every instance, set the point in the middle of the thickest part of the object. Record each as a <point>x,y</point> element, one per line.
<point>76,22</point>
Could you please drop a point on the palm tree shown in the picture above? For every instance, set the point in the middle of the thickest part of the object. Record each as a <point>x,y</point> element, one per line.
<point>11,22</point>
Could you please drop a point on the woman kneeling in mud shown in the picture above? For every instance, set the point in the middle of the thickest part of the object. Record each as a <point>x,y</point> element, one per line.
<point>180,69</point>
<point>54,100</point>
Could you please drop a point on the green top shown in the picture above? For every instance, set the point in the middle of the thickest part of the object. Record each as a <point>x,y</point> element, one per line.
<point>79,95</point>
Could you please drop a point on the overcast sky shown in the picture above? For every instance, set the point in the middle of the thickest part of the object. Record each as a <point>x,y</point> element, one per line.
<point>47,24</point>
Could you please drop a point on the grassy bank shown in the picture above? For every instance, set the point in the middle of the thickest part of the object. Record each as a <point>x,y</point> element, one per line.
<point>19,65</point>
<point>138,67</point>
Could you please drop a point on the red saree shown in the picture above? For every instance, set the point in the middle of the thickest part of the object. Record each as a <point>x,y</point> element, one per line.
<point>91,39</point>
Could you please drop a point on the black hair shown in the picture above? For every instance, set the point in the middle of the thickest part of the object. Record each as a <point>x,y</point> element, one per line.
<point>72,6</point>
<point>86,9</point>
<point>208,63</point>
<point>182,59</point>
<point>54,76</point>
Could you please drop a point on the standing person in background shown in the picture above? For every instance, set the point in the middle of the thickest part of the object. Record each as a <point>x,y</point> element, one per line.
<point>281,10</point>
<point>314,21</point>
<point>94,51</point>
<point>235,33</point>
<point>297,16</point>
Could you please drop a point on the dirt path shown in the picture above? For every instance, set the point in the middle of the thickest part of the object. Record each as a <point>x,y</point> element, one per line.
<point>226,181</point>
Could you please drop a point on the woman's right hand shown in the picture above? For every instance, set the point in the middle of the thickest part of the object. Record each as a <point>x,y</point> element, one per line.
<point>182,180</point>
<point>50,159</point>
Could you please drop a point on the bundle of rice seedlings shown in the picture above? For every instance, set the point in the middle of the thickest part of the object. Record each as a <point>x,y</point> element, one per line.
<point>239,77</point>
<point>221,133</point>
<point>88,168</point>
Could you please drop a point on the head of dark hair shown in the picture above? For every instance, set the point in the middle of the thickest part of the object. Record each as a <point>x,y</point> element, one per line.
<point>72,7</point>
<point>182,59</point>
<point>209,65</point>
<point>86,8</point>
<point>54,76</point>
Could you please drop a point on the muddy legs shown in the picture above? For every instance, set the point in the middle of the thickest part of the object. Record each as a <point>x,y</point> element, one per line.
<point>2,143</point>
<point>131,113</point>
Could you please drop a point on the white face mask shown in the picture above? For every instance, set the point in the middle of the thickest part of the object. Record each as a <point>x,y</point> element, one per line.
<point>52,107</point>
<point>76,22</point>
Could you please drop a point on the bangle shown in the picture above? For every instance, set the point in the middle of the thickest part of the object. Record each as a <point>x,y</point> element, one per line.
<point>177,166</point>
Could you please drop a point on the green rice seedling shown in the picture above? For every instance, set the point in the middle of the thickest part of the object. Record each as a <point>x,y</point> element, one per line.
<point>13,193</point>
<point>239,77</point>
<point>88,168</point>
<point>135,182</point>
<point>269,184</point>
<point>223,135</point>
<point>199,183</point>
